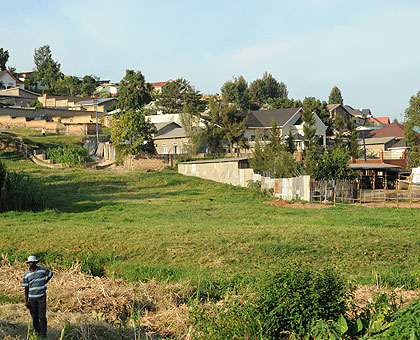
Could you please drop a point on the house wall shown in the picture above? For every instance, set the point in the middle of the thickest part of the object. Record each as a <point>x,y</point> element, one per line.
<point>170,144</point>
<point>340,111</point>
<point>144,162</point>
<point>225,172</point>
<point>8,81</point>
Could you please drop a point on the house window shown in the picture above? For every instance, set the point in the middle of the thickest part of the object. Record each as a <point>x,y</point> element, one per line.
<point>184,148</point>
<point>165,148</point>
<point>175,149</point>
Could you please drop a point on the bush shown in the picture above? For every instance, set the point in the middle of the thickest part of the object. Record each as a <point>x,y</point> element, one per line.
<point>285,303</point>
<point>74,156</point>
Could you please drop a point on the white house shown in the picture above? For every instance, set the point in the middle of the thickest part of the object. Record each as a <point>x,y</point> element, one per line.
<point>288,120</point>
<point>8,81</point>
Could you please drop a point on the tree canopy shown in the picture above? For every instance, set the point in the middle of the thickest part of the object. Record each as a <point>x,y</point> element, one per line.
<point>176,94</point>
<point>133,92</point>
<point>236,92</point>
<point>335,96</point>
<point>4,57</point>
<point>47,70</point>
<point>411,124</point>
<point>261,90</point>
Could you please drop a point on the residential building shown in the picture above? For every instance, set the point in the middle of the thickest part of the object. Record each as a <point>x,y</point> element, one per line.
<point>288,120</point>
<point>379,121</point>
<point>17,96</point>
<point>8,81</point>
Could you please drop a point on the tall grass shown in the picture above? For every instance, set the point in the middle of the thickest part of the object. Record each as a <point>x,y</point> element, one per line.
<point>74,156</point>
<point>18,191</point>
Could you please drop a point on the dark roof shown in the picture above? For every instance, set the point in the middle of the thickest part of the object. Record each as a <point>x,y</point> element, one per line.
<point>400,144</point>
<point>265,118</point>
<point>171,130</point>
<point>352,111</point>
<point>391,130</point>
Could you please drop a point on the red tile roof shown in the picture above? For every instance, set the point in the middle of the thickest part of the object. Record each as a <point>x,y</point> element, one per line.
<point>381,120</point>
<point>159,84</point>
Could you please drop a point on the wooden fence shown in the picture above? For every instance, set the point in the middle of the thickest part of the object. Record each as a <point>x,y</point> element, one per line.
<point>347,191</point>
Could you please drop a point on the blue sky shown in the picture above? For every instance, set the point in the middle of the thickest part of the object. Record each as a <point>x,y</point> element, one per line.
<point>369,49</point>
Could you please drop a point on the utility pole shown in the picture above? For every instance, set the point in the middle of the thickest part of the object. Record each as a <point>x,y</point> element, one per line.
<point>97,130</point>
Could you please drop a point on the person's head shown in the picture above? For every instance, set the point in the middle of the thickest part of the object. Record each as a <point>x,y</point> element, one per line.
<point>32,261</point>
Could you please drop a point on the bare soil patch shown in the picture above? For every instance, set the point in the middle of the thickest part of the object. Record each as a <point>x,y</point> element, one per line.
<point>297,205</point>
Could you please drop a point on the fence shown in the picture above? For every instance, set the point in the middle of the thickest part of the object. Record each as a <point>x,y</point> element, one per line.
<point>346,191</point>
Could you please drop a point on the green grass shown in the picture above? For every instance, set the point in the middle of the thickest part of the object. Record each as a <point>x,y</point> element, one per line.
<point>141,225</point>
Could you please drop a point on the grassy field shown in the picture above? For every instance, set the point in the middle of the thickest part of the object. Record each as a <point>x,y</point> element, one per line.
<point>140,225</point>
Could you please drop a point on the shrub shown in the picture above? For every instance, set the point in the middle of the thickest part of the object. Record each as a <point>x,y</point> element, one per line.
<point>74,156</point>
<point>285,303</point>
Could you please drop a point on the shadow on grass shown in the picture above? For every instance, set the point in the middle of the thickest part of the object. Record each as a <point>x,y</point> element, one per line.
<point>89,196</point>
<point>11,156</point>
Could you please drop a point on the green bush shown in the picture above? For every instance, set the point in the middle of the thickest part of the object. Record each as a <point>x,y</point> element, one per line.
<point>74,156</point>
<point>279,305</point>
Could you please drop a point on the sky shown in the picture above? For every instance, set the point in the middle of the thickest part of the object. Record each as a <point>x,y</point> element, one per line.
<point>369,49</point>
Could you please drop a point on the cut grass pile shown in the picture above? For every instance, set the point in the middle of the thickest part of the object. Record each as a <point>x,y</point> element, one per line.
<point>164,225</point>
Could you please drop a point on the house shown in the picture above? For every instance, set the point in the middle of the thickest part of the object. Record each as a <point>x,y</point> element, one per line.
<point>8,81</point>
<point>111,88</point>
<point>359,115</point>
<point>379,121</point>
<point>339,110</point>
<point>100,105</point>
<point>376,145</point>
<point>170,139</point>
<point>392,130</point>
<point>18,97</point>
<point>288,120</point>
<point>158,85</point>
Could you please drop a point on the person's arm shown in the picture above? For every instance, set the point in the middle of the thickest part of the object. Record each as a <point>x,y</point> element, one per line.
<point>49,277</point>
<point>27,297</point>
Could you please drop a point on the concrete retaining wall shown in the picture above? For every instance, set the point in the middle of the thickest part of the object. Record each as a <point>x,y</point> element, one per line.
<point>144,162</point>
<point>226,172</point>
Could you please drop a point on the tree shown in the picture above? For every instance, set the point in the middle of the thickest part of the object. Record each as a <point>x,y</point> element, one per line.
<point>133,92</point>
<point>333,164</point>
<point>339,130</point>
<point>132,132</point>
<point>4,57</point>
<point>89,85</point>
<point>261,90</point>
<point>274,157</point>
<point>175,94</point>
<point>320,109</point>
<point>335,96</point>
<point>237,92</point>
<point>411,124</point>
<point>310,140</point>
<point>282,103</point>
<point>353,144</point>
<point>47,70</point>
<point>191,123</point>
<point>229,124</point>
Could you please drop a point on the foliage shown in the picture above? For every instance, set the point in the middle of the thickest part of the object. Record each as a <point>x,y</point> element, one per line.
<point>47,70</point>
<point>4,57</point>
<point>133,92</point>
<point>35,103</point>
<point>261,90</point>
<point>411,124</point>
<point>18,191</point>
<point>353,142</point>
<point>335,96</point>
<point>333,164</point>
<point>288,301</point>
<point>89,84</point>
<point>175,95</point>
<point>310,141</point>
<point>190,121</point>
<point>274,157</point>
<point>74,156</point>
<point>282,103</point>
<point>320,109</point>
<point>132,132</point>
<point>339,130</point>
<point>237,92</point>
<point>228,124</point>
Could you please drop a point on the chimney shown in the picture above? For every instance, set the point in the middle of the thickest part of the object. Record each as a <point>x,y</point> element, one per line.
<point>381,156</point>
<point>300,156</point>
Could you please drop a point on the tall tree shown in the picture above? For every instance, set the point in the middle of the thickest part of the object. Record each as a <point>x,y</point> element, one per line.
<point>174,95</point>
<point>353,144</point>
<point>47,70</point>
<point>237,92</point>
<point>230,124</point>
<point>261,90</point>
<point>133,92</point>
<point>411,124</point>
<point>335,96</point>
<point>190,121</point>
<point>309,131</point>
<point>4,57</point>
<point>89,84</point>
<point>320,109</point>
<point>339,130</point>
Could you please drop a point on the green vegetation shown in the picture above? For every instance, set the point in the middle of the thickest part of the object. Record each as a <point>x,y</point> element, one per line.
<point>183,227</point>
<point>74,156</point>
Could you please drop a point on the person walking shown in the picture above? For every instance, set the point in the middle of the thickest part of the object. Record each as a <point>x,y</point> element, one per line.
<point>43,132</point>
<point>35,282</point>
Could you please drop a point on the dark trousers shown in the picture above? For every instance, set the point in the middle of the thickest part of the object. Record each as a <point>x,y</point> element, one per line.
<point>38,310</point>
